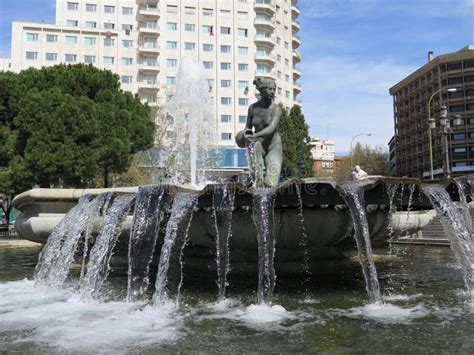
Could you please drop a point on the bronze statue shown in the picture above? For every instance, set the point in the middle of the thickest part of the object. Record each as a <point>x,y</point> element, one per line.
<point>264,116</point>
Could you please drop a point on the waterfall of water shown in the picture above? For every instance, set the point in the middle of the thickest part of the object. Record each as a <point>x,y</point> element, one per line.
<point>170,277</point>
<point>151,201</point>
<point>252,162</point>
<point>303,236</point>
<point>353,194</point>
<point>263,217</point>
<point>223,204</point>
<point>464,189</point>
<point>82,228</point>
<point>455,229</point>
<point>101,253</point>
<point>51,250</point>
<point>194,125</point>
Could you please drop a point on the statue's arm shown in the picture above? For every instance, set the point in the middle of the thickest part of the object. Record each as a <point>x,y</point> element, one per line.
<point>272,127</point>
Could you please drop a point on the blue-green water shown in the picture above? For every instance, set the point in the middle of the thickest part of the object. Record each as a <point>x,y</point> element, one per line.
<point>426,311</point>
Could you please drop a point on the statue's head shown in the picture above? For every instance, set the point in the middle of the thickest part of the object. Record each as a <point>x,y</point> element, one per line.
<point>266,87</point>
<point>357,168</point>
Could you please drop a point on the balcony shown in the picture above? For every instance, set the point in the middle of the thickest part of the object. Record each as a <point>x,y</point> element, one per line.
<point>295,25</point>
<point>153,30</point>
<point>148,85</point>
<point>296,41</point>
<point>296,73</point>
<point>265,41</point>
<point>266,74</point>
<point>298,102</point>
<point>297,88</point>
<point>296,56</point>
<point>265,58</point>
<point>265,6</point>
<point>149,12</point>
<point>295,12</point>
<point>144,67</point>
<point>149,49</point>
<point>264,24</point>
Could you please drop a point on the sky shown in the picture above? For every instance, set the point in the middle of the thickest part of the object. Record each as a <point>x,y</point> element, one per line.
<point>352,52</point>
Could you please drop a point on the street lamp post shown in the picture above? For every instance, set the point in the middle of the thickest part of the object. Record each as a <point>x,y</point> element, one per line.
<point>432,124</point>
<point>352,141</point>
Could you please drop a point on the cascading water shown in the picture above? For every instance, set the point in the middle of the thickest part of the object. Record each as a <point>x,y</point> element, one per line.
<point>81,228</point>
<point>149,206</point>
<point>252,162</point>
<point>223,204</point>
<point>303,236</point>
<point>51,250</point>
<point>98,266</point>
<point>194,125</point>
<point>464,189</point>
<point>169,277</point>
<point>353,194</point>
<point>263,217</point>
<point>455,229</point>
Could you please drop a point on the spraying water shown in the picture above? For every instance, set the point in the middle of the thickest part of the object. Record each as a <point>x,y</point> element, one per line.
<point>170,277</point>
<point>263,217</point>
<point>194,125</point>
<point>101,253</point>
<point>303,237</point>
<point>149,206</point>
<point>223,204</point>
<point>353,194</point>
<point>455,229</point>
<point>464,189</point>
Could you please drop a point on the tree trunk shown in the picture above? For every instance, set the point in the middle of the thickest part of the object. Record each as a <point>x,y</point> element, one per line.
<point>106,178</point>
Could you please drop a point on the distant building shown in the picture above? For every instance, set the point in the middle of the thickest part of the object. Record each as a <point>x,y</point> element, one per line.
<point>410,144</point>
<point>323,156</point>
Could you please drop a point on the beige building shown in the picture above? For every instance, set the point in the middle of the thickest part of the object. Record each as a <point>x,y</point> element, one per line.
<point>144,41</point>
<point>322,151</point>
<point>449,80</point>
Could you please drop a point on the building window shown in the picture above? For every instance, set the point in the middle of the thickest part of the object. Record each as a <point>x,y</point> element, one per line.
<point>170,80</point>
<point>190,46</point>
<point>172,9</point>
<point>108,9</point>
<point>72,6</point>
<point>242,32</point>
<point>456,108</point>
<point>31,55</point>
<point>171,45</point>
<point>71,23</point>
<point>127,61</point>
<point>286,45</point>
<point>243,50</point>
<point>454,66</point>
<point>469,79</point>
<point>51,38</point>
<point>243,84</point>
<point>109,25</point>
<point>126,27</point>
<point>127,43</point>
<point>70,58</point>
<point>188,10</point>
<point>91,24</point>
<point>127,10</point>
<point>243,67</point>
<point>243,101</point>
<point>189,27</point>
<point>242,119</point>
<point>225,83</point>
<point>207,29</point>
<point>459,136</point>
<point>71,39</point>
<point>207,12</point>
<point>225,118</point>
<point>225,66</point>
<point>242,15</point>
<point>171,26</point>
<point>91,8</point>
<point>109,42</point>
<point>226,136</point>
<point>108,60</point>
<point>224,13</point>
<point>51,57</point>
<point>89,59</point>
<point>468,65</point>
<point>225,30</point>
<point>225,49</point>
<point>454,81</point>
<point>459,152</point>
<point>206,47</point>
<point>226,100</point>
<point>208,65</point>
<point>127,79</point>
<point>89,41</point>
<point>150,62</point>
<point>32,37</point>
<point>171,63</point>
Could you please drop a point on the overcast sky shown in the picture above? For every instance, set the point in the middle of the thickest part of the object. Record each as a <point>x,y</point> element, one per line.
<point>352,51</point>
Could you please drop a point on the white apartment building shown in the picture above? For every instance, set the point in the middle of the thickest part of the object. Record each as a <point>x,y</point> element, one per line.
<point>322,151</point>
<point>144,41</point>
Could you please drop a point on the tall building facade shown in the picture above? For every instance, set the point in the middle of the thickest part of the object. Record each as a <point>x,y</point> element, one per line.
<point>449,80</point>
<point>144,41</point>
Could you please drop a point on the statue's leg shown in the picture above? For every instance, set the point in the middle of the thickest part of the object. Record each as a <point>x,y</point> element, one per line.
<point>273,161</point>
<point>259,163</point>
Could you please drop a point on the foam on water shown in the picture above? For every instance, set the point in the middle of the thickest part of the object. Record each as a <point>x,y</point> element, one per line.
<point>59,319</point>
<point>388,312</point>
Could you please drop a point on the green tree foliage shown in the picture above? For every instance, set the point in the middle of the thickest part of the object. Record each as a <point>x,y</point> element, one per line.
<point>297,160</point>
<point>69,126</point>
<point>374,161</point>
